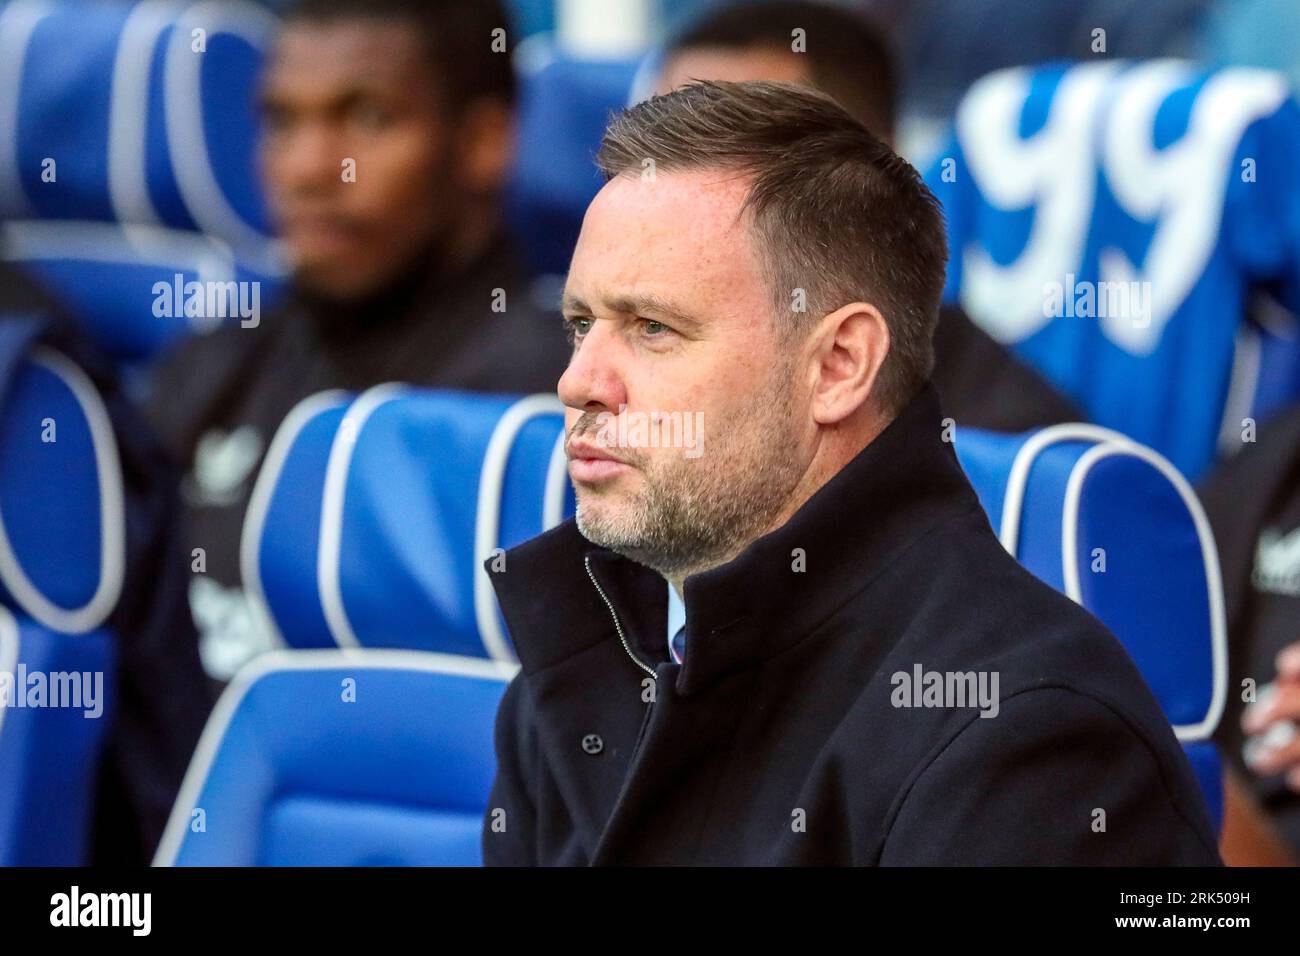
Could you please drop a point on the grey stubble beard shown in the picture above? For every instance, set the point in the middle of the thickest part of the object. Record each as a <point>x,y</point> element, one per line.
<point>691,515</point>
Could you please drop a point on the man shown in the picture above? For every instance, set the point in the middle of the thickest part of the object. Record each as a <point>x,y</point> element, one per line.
<point>981,383</point>
<point>387,136</point>
<point>866,676</point>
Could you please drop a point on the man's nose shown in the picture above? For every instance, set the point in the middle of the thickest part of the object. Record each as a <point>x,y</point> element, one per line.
<point>594,380</point>
<point>310,160</point>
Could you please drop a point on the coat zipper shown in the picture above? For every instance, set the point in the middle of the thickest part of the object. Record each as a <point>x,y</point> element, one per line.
<point>645,718</point>
<point>586,561</point>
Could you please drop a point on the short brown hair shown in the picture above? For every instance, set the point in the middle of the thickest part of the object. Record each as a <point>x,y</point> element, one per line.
<point>835,211</point>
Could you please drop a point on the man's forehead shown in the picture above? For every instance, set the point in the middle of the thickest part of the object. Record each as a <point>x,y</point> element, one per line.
<point>693,216</point>
<point>721,191</point>
<point>677,242</point>
<point>352,50</point>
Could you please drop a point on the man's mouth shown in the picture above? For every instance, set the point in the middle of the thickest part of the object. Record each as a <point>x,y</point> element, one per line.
<point>591,463</point>
<point>317,235</point>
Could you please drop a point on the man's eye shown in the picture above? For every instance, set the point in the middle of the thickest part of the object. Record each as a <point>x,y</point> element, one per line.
<point>652,327</point>
<point>576,327</point>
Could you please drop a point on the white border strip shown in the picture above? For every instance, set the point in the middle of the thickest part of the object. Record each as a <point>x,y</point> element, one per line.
<point>259,502</point>
<point>18,21</point>
<point>1242,386</point>
<point>1209,557</point>
<point>487,523</point>
<point>186,139</point>
<point>8,654</point>
<point>108,242</point>
<point>196,776</point>
<point>128,111</point>
<point>112,520</point>
<point>557,483</point>
<point>1018,476</point>
<point>329,552</point>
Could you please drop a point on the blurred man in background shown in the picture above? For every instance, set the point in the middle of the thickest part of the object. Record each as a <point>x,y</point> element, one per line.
<point>982,385</point>
<point>387,137</point>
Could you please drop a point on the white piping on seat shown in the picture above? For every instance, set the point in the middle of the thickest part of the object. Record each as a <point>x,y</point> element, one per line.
<point>488,518</point>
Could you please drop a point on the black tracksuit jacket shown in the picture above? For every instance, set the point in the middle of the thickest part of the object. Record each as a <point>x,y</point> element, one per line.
<point>778,742</point>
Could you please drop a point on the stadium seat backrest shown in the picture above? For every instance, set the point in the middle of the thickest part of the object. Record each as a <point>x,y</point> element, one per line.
<point>371,528</point>
<point>49,755</point>
<point>342,758</point>
<point>1115,527</point>
<point>1110,220</point>
<point>280,540</point>
<point>126,159</point>
<point>365,533</point>
<point>62,523</point>
<point>565,105</point>
<point>62,563</point>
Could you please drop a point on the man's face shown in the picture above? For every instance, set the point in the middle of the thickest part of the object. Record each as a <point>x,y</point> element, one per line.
<point>354,95</point>
<point>736,65</point>
<point>675,330</point>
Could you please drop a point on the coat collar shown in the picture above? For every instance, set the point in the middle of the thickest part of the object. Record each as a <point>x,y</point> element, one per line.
<point>776,592</point>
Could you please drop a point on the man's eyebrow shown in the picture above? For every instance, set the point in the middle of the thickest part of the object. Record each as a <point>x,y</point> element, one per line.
<point>646,304</point>
<point>571,303</point>
<point>359,91</point>
<point>652,306</point>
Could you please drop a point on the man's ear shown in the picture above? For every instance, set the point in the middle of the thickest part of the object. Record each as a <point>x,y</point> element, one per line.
<point>852,343</point>
<point>485,145</point>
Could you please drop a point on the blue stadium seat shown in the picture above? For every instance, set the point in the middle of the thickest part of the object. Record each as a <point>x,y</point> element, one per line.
<point>352,507</point>
<point>366,529</point>
<point>1115,527</point>
<point>127,131</point>
<point>565,105</point>
<point>354,498</point>
<point>62,560</point>
<point>49,755</point>
<point>342,758</point>
<point>280,539</point>
<point>1157,193</point>
<point>62,531</point>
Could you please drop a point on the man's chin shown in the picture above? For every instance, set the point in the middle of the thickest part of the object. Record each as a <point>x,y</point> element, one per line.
<point>337,289</point>
<point>604,526</point>
<point>633,547</point>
